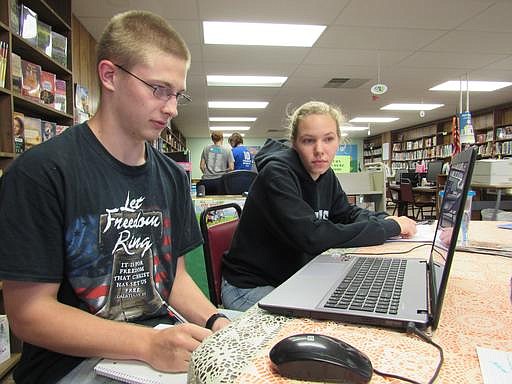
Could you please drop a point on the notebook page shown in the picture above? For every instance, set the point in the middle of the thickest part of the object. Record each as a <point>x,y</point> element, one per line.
<point>137,372</point>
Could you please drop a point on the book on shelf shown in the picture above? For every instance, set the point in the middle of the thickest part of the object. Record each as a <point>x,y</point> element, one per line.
<point>16,74</point>
<point>60,48</point>
<point>30,80</point>
<point>48,130</point>
<point>4,51</point>
<point>60,128</point>
<point>28,25</point>
<point>82,98</point>
<point>47,94</point>
<point>15,16</point>
<point>60,95</point>
<point>18,131</point>
<point>5,346</point>
<point>32,132</point>
<point>44,37</point>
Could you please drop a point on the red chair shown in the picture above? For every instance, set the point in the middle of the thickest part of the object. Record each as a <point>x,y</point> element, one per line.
<point>217,241</point>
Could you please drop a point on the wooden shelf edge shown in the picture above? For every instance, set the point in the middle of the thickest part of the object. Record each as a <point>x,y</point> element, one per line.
<point>9,364</point>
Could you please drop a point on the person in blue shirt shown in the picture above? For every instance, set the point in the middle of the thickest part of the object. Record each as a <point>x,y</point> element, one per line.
<point>243,158</point>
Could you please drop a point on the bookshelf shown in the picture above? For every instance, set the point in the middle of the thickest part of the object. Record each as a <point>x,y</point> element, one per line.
<point>57,14</point>
<point>171,140</point>
<point>433,140</point>
<point>372,150</point>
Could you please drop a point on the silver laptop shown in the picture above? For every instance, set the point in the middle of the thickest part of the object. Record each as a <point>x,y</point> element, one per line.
<point>389,292</point>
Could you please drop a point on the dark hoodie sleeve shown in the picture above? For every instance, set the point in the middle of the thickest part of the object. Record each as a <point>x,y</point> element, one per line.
<point>295,222</point>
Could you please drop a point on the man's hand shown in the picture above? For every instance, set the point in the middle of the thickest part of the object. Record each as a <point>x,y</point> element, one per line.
<point>407,226</point>
<point>170,348</point>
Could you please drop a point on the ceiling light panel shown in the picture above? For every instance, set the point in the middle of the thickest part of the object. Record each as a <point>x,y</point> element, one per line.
<point>229,128</point>
<point>474,86</point>
<point>232,119</point>
<point>374,119</point>
<point>411,107</point>
<point>245,81</point>
<point>353,128</point>
<point>238,104</point>
<point>288,35</point>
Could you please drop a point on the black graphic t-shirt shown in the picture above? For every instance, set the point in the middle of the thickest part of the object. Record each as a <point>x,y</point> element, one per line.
<point>109,233</point>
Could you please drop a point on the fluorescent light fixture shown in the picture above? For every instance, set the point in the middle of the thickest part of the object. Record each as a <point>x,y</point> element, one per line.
<point>288,35</point>
<point>374,119</point>
<point>238,104</point>
<point>474,86</point>
<point>347,128</point>
<point>411,107</point>
<point>231,119</point>
<point>343,134</point>
<point>245,81</point>
<point>228,128</point>
<point>229,134</point>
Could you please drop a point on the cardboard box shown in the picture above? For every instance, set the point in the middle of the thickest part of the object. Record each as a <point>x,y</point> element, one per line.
<point>5,346</point>
<point>493,172</point>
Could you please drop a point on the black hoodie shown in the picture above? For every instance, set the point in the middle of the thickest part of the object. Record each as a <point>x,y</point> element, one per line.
<point>288,218</point>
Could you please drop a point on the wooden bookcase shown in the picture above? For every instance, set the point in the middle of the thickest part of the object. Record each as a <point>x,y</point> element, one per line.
<point>372,150</point>
<point>433,140</point>
<point>56,13</point>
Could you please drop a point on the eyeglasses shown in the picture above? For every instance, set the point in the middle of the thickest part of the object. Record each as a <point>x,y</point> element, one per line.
<point>160,92</point>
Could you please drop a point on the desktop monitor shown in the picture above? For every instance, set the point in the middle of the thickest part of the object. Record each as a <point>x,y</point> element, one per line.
<point>412,176</point>
<point>434,168</point>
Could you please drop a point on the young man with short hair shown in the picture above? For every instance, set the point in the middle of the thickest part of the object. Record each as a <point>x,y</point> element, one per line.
<point>95,222</point>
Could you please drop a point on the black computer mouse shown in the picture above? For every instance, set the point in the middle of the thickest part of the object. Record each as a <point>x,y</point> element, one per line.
<point>317,357</point>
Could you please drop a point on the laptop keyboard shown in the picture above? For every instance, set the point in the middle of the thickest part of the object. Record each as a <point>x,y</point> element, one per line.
<point>372,285</point>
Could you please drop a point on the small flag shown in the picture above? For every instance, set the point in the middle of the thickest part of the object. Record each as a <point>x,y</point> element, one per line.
<point>455,137</point>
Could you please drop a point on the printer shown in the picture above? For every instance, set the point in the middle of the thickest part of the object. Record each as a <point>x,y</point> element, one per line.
<point>493,172</point>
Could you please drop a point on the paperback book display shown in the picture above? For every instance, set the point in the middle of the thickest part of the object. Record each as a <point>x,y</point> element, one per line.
<point>16,74</point>
<point>81,103</point>
<point>48,88</point>
<point>28,25</point>
<point>32,132</point>
<point>30,80</point>
<point>18,128</point>
<point>48,130</point>
<point>15,16</point>
<point>60,95</point>
<point>60,48</point>
<point>4,51</point>
<point>44,37</point>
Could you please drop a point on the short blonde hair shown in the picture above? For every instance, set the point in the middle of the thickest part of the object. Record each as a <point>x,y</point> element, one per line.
<point>314,108</point>
<point>216,136</point>
<point>131,37</point>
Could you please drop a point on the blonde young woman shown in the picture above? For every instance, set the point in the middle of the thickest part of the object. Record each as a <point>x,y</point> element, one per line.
<point>297,209</point>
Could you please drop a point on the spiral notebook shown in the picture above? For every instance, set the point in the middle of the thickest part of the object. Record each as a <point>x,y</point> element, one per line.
<point>137,372</point>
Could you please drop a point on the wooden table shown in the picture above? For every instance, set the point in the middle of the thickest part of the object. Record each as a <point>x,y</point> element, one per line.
<point>476,312</point>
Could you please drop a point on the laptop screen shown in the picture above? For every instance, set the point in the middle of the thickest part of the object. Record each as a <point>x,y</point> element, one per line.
<point>450,217</point>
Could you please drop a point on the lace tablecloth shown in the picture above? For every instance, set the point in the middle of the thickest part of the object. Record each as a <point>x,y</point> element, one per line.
<point>477,311</point>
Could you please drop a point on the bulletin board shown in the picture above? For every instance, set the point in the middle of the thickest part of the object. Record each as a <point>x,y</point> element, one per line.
<point>345,160</point>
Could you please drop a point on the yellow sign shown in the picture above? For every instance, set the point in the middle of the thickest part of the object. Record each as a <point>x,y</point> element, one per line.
<point>341,164</point>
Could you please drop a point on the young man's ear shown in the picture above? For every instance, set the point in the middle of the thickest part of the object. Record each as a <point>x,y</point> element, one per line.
<point>106,74</point>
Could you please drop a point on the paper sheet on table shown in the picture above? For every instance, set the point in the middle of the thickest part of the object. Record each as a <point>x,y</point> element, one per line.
<point>496,365</point>
<point>424,234</point>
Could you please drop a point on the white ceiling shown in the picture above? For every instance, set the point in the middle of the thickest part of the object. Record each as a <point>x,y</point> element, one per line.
<point>419,43</point>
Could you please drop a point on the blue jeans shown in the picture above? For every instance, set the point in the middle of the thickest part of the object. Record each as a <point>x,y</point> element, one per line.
<point>241,299</point>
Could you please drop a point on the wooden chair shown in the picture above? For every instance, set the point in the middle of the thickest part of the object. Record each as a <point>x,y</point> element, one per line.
<point>408,197</point>
<point>217,241</point>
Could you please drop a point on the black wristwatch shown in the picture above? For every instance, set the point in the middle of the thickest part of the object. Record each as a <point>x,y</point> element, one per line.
<point>213,318</point>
